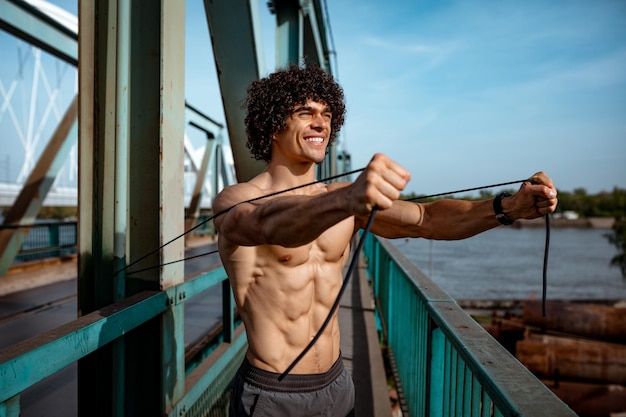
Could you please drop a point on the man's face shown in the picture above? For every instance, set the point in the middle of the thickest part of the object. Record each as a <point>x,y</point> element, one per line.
<point>306,133</point>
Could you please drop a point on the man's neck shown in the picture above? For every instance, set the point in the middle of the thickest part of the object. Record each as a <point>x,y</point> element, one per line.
<point>284,176</point>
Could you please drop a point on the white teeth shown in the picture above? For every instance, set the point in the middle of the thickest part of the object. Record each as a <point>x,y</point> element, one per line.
<point>316,140</point>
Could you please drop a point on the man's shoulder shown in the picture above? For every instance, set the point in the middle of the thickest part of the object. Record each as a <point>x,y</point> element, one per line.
<point>235,194</point>
<point>243,188</point>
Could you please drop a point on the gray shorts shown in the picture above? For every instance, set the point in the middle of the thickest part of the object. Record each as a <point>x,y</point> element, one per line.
<point>257,393</point>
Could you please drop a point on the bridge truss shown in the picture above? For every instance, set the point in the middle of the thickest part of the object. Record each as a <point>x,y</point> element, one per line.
<point>135,136</point>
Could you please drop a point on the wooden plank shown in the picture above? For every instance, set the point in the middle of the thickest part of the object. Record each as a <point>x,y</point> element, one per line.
<point>589,360</point>
<point>589,320</point>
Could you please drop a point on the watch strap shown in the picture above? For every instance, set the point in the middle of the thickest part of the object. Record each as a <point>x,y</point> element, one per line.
<point>497,207</point>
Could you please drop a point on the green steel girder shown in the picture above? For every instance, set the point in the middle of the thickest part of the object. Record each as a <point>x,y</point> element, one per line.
<point>234,27</point>
<point>131,82</point>
<point>301,36</point>
<point>235,34</point>
<point>28,203</point>
<point>28,23</point>
<point>300,33</point>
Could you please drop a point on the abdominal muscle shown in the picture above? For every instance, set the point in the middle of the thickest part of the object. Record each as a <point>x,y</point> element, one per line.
<point>284,295</point>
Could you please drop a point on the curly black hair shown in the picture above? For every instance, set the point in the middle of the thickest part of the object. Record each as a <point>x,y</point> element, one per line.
<point>272,99</point>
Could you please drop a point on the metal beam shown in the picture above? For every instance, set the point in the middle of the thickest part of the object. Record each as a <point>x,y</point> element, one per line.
<point>289,32</point>
<point>131,78</point>
<point>193,210</point>
<point>314,39</point>
<point>156,209</point>
<point>235,34</point>
<point>32,25</point>
<point>301,34</point>
<point>101,374</point>
<point>29,201</point>
<point>214,133</point>
<point>26,363</point>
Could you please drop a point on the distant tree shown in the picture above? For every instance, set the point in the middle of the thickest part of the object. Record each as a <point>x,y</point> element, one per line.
<point>613,204</point>
<point>618,238</point>
<point>57,212</point>
<point>485,194</point>
<point>582,203</point>
<point>603,204</point>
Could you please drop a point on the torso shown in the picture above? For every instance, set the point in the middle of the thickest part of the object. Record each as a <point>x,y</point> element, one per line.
<point>285,294</point>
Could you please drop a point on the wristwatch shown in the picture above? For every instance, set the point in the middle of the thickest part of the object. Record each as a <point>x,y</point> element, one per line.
<point>497,207</point>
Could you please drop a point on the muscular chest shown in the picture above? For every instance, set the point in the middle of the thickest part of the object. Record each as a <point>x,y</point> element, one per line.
<point>329,248</point>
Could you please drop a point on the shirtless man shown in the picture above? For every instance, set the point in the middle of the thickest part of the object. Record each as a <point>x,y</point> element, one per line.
<point>284,254</point>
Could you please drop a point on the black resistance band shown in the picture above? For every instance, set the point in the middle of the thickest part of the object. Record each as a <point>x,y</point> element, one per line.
<point>360,246</point>
<point>354,256</point>
<point>545,267</point>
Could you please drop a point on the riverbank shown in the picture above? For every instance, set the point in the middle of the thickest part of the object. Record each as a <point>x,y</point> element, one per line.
<point>578,349</point>
<point>488,309</point>
<point>586,223</point>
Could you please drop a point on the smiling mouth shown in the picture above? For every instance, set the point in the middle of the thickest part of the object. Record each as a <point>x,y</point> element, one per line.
<point>315,140</point>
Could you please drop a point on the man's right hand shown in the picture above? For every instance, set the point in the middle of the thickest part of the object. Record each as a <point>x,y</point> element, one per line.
<point>379,185</point>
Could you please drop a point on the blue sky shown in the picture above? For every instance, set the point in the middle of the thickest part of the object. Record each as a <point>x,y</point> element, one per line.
<point>476,92</point>
<point>469,93</point>
<point>466,93</point>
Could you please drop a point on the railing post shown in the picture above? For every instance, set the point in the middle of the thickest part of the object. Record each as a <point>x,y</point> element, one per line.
<point>53,238</point>
<point>434,395</point>
<point>376,263</point>
<point>388,274</point>
<point>11,407</point>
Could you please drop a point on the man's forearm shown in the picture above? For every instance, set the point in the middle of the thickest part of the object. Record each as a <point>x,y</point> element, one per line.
<point>459,219</point>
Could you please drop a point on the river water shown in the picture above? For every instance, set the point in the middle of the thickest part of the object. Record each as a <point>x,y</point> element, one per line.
<point>507,263</point>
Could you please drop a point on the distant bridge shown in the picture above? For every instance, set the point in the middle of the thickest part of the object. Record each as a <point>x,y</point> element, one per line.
<point>219,169</point>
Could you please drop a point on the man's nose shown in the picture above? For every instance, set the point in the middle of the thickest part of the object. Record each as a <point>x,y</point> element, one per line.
<point>319,121</point>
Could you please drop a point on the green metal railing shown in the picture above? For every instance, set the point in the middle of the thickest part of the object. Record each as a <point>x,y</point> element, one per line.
<point>206,383</point>
<point>446,363</point>
<point>48,239</point>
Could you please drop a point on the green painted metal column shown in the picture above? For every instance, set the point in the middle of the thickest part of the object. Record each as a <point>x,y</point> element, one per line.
<point>237,49</point>
<point>155,352</point>
<point>98,373</point>
<point>131,134</point>
<point>289,32</point>
<point>301,35</point>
